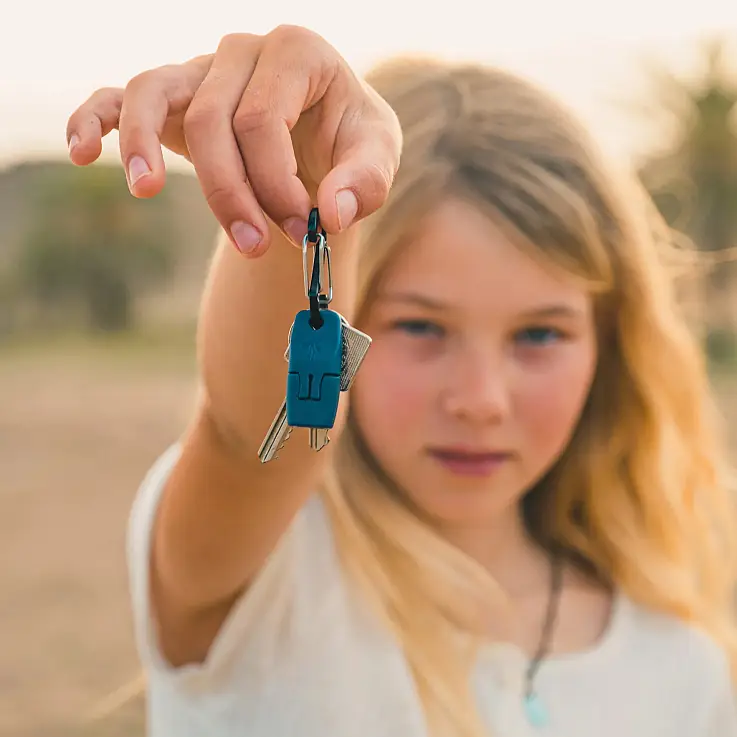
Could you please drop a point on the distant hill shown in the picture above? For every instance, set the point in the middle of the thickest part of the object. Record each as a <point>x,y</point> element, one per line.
<point>194,225</point>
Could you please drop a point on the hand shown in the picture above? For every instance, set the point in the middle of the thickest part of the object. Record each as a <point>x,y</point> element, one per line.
<point>270,123</point>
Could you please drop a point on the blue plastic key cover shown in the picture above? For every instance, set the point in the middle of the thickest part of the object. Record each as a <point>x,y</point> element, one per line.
<point>313,381</point>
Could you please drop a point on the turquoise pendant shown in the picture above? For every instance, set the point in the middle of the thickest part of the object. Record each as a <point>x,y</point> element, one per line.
<point>537,714</point>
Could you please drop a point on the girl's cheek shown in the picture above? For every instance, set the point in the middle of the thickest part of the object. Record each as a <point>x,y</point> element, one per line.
<point>391,390</point>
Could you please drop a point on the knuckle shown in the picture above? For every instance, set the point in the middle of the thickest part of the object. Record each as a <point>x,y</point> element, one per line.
<point>105,93</point>
<point>252,115</point>
<point>169,75</point>
<point>142,80</point>
<point>378,183</point>
<point>234,40</point>
<point>199,116</point>
<point>103,105</point>
<point>105,98</point>
<point>286,32</point>
<point>161,77</point>
<point>220,199</point>
<point>176,85</point>
<point>290,36</point>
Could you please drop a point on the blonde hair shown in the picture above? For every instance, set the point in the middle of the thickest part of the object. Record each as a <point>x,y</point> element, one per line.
<point>640,495</point>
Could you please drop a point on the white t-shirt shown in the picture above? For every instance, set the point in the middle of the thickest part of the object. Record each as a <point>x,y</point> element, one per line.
<point>299,656</point>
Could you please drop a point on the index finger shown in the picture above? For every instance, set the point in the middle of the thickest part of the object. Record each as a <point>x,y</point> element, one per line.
<point>214,151</point>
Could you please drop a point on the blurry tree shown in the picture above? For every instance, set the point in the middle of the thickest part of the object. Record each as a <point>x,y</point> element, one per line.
<point>693,181</point>
<point>90,242</point>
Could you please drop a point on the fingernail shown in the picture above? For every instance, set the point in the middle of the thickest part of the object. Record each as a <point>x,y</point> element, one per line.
<point>246,237</point>
<point>137,168</point>
<point>73,141</point>
<point>347,205</point>
<point>296,229</point>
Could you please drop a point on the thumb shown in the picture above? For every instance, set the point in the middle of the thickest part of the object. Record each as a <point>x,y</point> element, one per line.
<point>363,174</point>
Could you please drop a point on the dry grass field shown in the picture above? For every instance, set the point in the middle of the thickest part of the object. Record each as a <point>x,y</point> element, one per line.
<point>78,428</point>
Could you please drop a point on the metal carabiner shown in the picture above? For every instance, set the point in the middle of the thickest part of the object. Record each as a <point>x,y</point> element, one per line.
<point>320,274</point>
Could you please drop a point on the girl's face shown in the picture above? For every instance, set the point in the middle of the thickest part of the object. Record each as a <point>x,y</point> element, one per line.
<point>480,365</point>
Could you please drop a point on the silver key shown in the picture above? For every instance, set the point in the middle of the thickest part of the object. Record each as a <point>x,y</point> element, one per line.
<point>355,348</point>
<point>276,437</point>
<point>289,342</point>
<point>318,438</point>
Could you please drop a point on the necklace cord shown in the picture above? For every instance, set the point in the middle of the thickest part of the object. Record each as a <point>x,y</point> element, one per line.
<point>551,615</point>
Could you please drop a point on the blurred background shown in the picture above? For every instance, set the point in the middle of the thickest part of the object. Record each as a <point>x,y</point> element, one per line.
<point>99,291</point>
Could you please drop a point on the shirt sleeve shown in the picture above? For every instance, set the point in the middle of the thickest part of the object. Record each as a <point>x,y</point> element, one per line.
<point>256,618</point>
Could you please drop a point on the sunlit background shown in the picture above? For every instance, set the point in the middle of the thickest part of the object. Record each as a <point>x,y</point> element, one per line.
<point>99,292</point>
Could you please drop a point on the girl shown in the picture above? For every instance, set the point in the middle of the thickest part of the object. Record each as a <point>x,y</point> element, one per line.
<point>521,524</point>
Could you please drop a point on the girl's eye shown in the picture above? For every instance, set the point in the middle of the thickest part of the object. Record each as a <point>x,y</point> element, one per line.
<point>419,328</point>
<point>537,336</point>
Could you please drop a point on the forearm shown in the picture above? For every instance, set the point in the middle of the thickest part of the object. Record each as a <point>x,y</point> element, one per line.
<point>223,510</point>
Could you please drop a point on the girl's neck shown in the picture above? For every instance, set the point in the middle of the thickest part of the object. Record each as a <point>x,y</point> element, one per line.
<point>505,548</point>
<point>523,571</point>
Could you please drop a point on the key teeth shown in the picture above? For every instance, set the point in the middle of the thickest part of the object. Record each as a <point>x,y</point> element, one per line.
<point>279,431</point>
<point>275,457</point>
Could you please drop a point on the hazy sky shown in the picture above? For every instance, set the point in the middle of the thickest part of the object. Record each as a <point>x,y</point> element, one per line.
<point>53,55</point>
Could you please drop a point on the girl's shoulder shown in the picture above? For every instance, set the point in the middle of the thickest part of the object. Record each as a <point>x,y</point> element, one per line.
<point>666,656</point>
<point>651,669</point>
<point>671,641</point>
<point>686,669</point>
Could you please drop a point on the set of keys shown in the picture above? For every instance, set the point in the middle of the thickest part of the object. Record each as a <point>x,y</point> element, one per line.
<point>324,353</point>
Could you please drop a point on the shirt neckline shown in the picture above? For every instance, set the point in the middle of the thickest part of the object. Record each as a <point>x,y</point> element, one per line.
<point>608,643</point>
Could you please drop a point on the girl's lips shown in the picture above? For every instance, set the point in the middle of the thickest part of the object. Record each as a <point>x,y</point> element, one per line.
<point>470,463</point>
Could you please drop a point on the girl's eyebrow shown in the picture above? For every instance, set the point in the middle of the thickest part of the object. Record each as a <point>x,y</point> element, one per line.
<point>422,300</point>
<point>413,298</point>
<point>554,310</point>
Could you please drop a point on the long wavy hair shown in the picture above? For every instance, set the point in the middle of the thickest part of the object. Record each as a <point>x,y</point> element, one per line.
<point>640,497</point>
